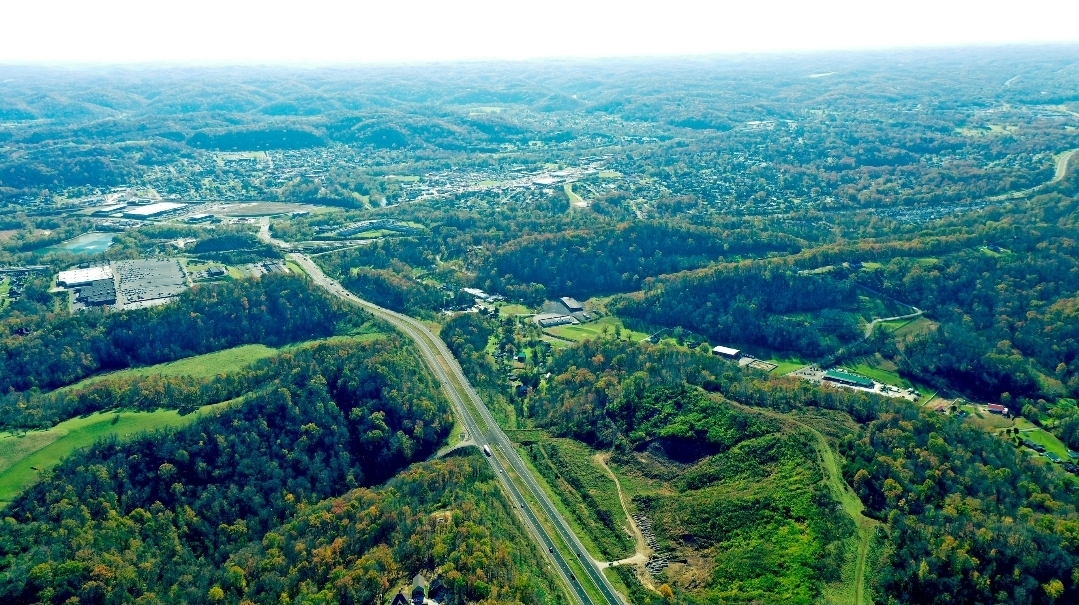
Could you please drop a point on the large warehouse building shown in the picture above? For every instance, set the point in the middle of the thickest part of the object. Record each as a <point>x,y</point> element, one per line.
<point>84,275</point>
<point>152,210</point>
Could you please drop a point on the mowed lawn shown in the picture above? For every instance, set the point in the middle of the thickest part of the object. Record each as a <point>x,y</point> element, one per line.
<point>786,366</point>
<point>881,375</point>
<point>23,458</point>
<point>594,329</point>
<point>219,362</point>
<point>199,366</point>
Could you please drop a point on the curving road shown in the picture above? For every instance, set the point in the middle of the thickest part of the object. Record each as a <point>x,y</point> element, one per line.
<point>1061,171</point>
<point>484,430</point>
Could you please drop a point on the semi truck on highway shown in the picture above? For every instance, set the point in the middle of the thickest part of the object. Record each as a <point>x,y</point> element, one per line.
<point>487,451</point>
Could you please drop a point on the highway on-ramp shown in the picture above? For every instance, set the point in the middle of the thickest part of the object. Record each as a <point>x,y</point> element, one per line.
<point>485,431</point>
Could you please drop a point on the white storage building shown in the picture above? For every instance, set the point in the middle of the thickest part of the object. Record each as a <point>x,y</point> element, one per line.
<point>80,277</point>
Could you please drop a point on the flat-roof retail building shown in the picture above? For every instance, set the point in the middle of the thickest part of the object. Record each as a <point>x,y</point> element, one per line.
<point>78,277</point>
<point>110,209</point>
<point>152,210</point>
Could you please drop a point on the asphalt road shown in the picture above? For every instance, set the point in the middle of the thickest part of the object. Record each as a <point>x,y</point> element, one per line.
<point>457,387</point>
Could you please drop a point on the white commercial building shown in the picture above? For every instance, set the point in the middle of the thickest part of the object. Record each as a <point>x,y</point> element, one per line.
<point>725,351</point>
<point>152,210</point>
<point>480,294</point>
<point>80,277</point>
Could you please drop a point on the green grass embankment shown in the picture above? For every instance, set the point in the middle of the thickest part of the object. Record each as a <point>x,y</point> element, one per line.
<point>219,362</point>
<point>199,366</point>
<point>585,495</point>
<point>24,457</point>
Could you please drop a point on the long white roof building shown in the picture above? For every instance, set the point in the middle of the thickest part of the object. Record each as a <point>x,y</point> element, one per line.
<point>78,277</point>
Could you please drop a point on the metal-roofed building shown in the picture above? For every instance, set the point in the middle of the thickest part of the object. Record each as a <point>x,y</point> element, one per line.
<point>82,276</point>
<point>726,352</point>
<point>848,379</point>
<point>572,304</point>
<point>152,210</point>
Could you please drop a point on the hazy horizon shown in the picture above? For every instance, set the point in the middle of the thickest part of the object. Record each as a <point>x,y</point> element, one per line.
<point>328,33</point>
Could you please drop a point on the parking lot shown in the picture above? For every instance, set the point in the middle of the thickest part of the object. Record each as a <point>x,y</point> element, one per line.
<point>146,283</point>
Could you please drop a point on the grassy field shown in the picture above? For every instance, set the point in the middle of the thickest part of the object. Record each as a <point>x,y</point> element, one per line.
<point>1048,441</point>
<point>292,266</point>
<point>23,458</point>
<point>201,366</point>
<point>510,309</point>
<point>724,512</point>
<point>786,365</point>
<point>920,325</point>
<point>1028,430</point>
<point>595,329</point>
<point>575,200</point>
<point>219,362</point>
<point>895,324</point>
<point>556,343</point>
<point>880,375</point>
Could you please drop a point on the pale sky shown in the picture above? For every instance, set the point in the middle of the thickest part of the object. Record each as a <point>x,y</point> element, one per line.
<point>337,32</point>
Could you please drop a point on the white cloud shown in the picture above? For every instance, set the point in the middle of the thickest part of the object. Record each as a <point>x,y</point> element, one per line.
<point>326,31</point>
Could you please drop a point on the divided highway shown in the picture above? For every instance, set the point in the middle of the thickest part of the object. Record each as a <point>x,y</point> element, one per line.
<point>485,431</point>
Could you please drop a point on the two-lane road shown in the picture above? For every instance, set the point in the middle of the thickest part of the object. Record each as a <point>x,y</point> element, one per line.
<point>485,431</point>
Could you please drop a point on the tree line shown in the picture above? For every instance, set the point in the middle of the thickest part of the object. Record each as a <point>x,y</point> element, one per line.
<point>155,518</point>
<point>51,350</point>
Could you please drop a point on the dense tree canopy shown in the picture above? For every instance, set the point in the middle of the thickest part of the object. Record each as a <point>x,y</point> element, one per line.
<point>48,351</point>
<point>160,514</point>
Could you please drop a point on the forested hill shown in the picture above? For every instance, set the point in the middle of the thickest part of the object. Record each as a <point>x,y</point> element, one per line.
<point>740,481</point>
<point>49,351</point>
<point>446,515</point>
<point>618,259</point>
<point>154,519</point>
<point>749,302</point>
